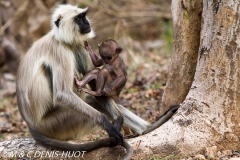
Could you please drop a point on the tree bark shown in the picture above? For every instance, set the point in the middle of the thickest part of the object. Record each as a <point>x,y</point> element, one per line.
<point>186,29</point>
<point>209,116</point>
<point>214,96</point>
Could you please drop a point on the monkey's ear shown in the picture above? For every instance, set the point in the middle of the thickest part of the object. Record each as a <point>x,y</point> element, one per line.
<point>118,50</point>
<point>86,11</point>
<point>57,22</point>
<point>99,45</point>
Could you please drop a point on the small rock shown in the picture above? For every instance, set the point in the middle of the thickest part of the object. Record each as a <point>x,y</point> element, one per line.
<point>227,152</point>
<point>219,154</point>
<point>199,157</point>
<point>211,151</point>
<point>234,159</point>
<point>232,137</point>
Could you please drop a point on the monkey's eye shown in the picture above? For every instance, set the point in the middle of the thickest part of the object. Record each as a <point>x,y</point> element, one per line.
<point>106,57</point>
<point>78,18</point>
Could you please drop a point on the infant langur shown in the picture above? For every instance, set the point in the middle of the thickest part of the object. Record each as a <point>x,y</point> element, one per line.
<point>111,79</point>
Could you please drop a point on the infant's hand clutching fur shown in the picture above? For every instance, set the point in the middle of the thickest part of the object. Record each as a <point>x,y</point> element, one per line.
<point>87,45</point>
<point>106,91</point>
<point>78,83</point>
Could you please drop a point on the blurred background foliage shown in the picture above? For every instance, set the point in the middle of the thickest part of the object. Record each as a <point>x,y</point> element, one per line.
<point>142,27</point>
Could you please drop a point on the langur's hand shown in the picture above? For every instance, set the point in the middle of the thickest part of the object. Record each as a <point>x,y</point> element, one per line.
<point>106,91</point>
<point>78,83</point>
<point>75,75</point>
<point>79,89</point>
<point>79,86</point>
<point>112,131</point>
<point>76,79</point>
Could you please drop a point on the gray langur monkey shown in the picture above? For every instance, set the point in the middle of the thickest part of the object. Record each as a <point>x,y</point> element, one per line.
<point>46,100</point>
<point>47,97</point>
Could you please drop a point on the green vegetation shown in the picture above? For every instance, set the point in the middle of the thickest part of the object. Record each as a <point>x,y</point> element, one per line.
<point>169,157</point>
<point>186,15</point>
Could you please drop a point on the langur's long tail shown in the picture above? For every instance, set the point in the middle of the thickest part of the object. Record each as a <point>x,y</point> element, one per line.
<point>164,118</point>
<point>65,146</point>
<point>128,149</point>
<point>137,124</point>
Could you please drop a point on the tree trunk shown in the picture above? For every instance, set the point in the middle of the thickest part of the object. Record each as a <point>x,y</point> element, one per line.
<point>214,99</point>
<point>209,116</point>
<point>186,27</point>
<point>210,113</point>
